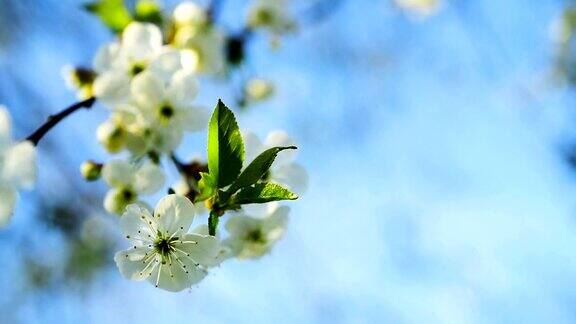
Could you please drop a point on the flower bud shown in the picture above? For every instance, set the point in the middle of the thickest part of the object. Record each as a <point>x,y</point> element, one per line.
<point>118,199</point>
<point>91,171</point>
<point>79,79</point>
<point>189,14</point>
<point>259,90</point>
<point>111,136</point>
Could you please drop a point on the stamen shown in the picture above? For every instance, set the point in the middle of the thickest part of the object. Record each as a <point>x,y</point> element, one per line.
<point>188,256</point>
<point>170,266</point>
<point>182,265</point>
<point>188,242</point>
<point>158,277</point>
<point>147,265</point>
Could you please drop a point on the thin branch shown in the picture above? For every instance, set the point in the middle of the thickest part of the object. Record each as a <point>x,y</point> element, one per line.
<point>53,120</point>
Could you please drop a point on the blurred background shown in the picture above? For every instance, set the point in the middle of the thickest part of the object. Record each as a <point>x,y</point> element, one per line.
<point>440,148</point>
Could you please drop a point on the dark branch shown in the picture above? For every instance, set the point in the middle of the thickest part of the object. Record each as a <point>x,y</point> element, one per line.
<point>57,118</point>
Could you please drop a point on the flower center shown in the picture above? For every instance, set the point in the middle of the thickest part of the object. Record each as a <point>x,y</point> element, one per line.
<point>137,68</point>
<point>256,236</point>
<point>265,16</point>
<point>164,245</point>
<point>166,112</point>
<point>127,194</point>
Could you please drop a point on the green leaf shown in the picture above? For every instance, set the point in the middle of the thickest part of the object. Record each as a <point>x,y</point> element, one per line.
<point>148,11</point>
<point>225,146</point>
<point>262,193</point>
<point>257,169</point>
<point>113,13</point>
<point>207,187</point>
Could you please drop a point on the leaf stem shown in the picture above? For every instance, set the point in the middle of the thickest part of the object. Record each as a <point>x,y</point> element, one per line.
<point>54,120</point>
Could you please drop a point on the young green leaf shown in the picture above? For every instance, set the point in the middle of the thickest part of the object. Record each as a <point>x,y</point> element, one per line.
<point>257,169</point>
<point>148,11</point>
<point>113,13</point>
<point>262,193</point>
<point>207,187</point>
<point>225,146</point>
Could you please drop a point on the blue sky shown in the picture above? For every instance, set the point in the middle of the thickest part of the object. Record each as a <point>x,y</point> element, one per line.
<point>438,190</point>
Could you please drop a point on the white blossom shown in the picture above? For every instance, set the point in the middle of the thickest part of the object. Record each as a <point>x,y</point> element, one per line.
<point>169,104</point>
<point>17,167</point>
<point>128,182</point>
<point>251,237</point>
<point>139,49</point>
<point>203,46</point>
<point>162,252</point>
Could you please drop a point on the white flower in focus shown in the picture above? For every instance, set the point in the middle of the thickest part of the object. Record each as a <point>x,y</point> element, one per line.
<point>163,252</point>
<point>272,15</point>
<point>17,168</point>
<point>251,237</point>
<point>128,182</point>
<point>421,8</point>
<point>140,49</point>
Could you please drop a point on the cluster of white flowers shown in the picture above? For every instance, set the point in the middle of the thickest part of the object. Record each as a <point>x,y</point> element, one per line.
<point>17,167</point>
<point>148,79</point>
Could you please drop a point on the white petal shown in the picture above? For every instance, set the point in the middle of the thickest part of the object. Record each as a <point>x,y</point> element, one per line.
<point>293,176</point>
<point>5,128</point>
<point>8,198</point>
<point>252,145</point>
<point>140,41</point>
<point>260,210</point>
<point>174,277</point>
<point>194,119</point>
<point>149,179</point>
<point>275,225</point>
<point>148,89</point>
<point>106,57</point>
<point>134,265</point>
<point>183,88</point>
<point>20,165</point>
<point>166,64</point>
<point>201,248</point>
<point>237,225</point>
<point>174,213</point>
<point>135,224</point>
<point>112,88</point>
<point>224,252</point>
<point>118,173</point>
